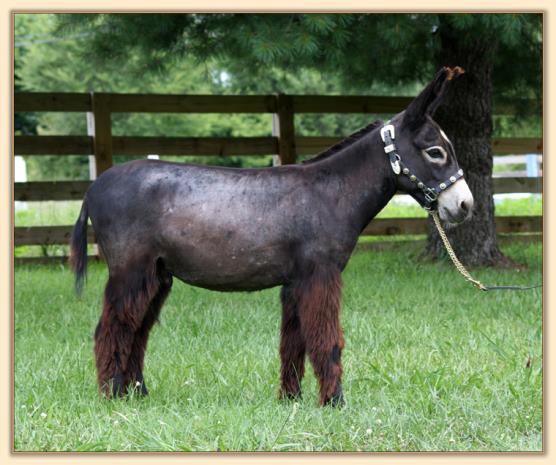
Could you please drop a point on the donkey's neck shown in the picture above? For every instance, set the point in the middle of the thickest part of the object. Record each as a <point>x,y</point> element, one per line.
<point>361,177</point>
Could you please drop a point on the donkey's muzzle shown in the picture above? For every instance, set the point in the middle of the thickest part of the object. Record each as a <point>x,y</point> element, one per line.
<point>455,205</point>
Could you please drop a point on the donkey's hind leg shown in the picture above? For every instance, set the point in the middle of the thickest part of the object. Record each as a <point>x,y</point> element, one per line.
<point>319,310</point>
<point>135,364</point>
<point>126,300</point>
<point>292,346</point>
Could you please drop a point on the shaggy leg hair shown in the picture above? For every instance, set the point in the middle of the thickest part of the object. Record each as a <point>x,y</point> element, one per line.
<point>134,372</point>
<point>127,298</point>
<point>319,314</point>
<point>292,347</point>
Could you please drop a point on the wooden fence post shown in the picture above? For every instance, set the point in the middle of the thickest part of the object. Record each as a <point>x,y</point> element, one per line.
<point>99,126</point>
<point>283,128</point>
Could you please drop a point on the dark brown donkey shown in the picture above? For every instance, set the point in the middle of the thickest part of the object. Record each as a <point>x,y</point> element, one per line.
<point>248,229</point>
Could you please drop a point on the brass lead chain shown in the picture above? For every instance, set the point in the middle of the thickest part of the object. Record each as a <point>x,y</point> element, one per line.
<point>452,254</point>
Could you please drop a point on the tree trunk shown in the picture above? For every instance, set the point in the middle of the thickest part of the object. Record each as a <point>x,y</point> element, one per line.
<point>466,117</point>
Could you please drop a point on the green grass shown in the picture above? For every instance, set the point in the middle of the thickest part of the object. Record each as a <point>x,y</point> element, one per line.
<point>48,213</point>
<point>430,364</point>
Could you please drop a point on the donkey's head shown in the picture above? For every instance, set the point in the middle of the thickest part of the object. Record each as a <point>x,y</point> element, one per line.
<point>428,169</point>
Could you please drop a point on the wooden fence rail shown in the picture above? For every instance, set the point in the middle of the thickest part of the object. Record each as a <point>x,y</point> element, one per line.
<point>100,143</point>
<point>74,190</point>
<point>150,103</point>
<point>50,235</point>
<point>304,145</point>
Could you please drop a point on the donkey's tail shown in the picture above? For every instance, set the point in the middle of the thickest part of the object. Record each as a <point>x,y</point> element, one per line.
<point>78,255</point>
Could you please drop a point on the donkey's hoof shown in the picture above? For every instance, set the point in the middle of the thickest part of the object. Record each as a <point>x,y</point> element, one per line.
<point>139,385</point>
<point>118,386</point>
<point>114,387</point>
<point>144,390</point>
<point>141,388</point>
<point>286,395</point>
<point>337,399</point>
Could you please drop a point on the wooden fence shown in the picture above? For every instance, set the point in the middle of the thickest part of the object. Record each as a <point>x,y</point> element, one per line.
<point>284,143</point>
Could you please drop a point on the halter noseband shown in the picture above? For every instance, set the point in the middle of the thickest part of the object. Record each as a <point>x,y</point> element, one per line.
<point>388,134</point>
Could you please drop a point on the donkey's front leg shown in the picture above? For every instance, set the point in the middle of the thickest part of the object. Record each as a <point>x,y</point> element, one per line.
<point>292,346</point>
<point>319,310</point>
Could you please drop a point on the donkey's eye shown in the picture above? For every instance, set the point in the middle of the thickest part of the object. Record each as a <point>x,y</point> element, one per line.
<point>435,153</point>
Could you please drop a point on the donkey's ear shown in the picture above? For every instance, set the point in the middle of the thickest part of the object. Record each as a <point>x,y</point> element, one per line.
<point>428,100</point>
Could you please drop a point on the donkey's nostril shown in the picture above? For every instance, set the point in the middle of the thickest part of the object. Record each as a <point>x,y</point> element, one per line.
<point>464,206</point>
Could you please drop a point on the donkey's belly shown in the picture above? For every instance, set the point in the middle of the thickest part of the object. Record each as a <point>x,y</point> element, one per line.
<point>227,269</point>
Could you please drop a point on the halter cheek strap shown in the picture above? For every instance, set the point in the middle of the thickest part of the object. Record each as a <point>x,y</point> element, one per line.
<point>431,193</point>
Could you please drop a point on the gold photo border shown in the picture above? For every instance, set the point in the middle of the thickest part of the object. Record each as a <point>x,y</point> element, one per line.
<point>6,231</point>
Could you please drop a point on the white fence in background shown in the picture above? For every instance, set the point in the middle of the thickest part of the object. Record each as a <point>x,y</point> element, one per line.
<point>533,168</point>
<point>20,175</point>
<point>532,164</point>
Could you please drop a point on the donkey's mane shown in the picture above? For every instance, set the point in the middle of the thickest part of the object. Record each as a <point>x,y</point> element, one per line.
<point>345,142</point>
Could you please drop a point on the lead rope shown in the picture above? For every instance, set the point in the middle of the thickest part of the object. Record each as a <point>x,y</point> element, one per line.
<point>462,269</point>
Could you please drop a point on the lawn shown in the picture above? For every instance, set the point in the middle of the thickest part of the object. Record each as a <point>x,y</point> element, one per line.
<point>430,364</point>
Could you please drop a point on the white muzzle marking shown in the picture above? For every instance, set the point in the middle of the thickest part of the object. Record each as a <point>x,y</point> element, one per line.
<point>456,203</point>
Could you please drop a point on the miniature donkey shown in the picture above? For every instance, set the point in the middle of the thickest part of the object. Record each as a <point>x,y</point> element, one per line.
<point>229,229</point>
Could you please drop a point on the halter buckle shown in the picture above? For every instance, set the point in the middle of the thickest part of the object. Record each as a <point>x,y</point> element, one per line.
<point>431,195</point>
<point>388,128</point>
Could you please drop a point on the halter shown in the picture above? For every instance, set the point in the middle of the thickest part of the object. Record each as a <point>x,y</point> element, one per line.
<point>388,134</point>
